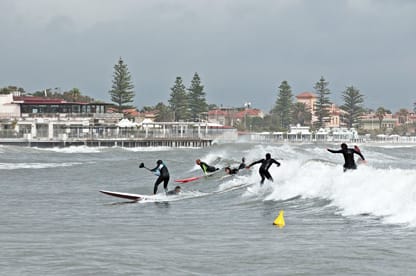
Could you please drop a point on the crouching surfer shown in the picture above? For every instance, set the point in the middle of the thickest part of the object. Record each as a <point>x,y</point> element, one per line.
<point>264,167</point>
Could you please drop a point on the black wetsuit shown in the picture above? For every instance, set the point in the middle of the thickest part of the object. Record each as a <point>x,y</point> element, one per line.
<point>242,166</point>
<point>264,168</point>
<point>173,192</point>
<point>163,173</point>
<point>233,171</point>
<point>207,168</point>
<point>348,157</point>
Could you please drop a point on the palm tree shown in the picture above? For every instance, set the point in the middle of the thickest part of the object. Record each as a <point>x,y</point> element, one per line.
<point>403,113</point>
<point>380,113</point>
<point>301,114</point>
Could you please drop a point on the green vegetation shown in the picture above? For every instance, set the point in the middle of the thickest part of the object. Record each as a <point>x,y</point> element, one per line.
<point>284,105</point>
<point>323,103</point>
<point>352,106</point>
<point>122,92</point>
<point>196,99</point>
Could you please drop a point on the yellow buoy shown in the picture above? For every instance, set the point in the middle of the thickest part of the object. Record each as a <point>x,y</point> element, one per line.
<point>280,220</point>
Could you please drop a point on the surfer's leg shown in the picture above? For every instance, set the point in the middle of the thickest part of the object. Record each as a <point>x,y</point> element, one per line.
<point>268,176</point>
<point>158,181</point>
<point>262,178</point>
<point>165,184</point>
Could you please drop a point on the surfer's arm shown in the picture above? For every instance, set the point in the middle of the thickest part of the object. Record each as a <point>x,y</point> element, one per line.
<point>360,154</point>
<point>254,163</point>
<point>334,151</point>
<point>276,162</point>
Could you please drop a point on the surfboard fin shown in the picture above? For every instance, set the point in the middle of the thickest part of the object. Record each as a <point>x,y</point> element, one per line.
<point>280,220</point>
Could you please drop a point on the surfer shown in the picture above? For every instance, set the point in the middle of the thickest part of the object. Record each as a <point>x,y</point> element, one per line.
<point>176,191</point>
<point>264,168</point>
<point>349,163</point>
<point>205,167</point>
<point>163,175</point>
<point>229,170</point>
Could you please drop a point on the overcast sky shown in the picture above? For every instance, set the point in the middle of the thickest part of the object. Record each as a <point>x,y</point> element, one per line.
<point>241,49</point>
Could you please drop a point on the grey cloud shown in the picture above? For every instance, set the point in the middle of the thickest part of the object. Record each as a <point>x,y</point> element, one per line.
<point>241,49</point>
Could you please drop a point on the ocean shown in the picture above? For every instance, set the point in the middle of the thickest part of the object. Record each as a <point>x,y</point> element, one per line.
<point>54,220</point>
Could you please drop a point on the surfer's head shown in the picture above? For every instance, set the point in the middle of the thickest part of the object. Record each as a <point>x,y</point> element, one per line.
<point>159,162</point>
<point>268,156</point>
<point>177,189</point>
<point>227,170</point>
<point>344,146</point>
<point>198,161</point>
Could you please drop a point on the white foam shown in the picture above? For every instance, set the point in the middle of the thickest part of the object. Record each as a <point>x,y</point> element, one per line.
<point>15,166</point>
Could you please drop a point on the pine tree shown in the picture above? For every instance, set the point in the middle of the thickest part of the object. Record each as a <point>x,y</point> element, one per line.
<point>323,103</point>
<point>122,91</point>
<point>352,106</point>
<point>178,101</point>
<point>284,104</point>
<point>196,98</point>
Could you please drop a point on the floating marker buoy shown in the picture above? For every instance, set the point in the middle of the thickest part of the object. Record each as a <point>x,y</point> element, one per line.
<point>280,220</point>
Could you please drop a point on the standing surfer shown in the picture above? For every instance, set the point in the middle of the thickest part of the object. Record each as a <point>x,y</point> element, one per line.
<point>163,175</point>
<point>264,168</point>
<point>348,153</point>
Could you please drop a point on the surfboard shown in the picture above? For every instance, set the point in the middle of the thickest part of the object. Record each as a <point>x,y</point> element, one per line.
<point>189,179</point>
<point>134,197</point>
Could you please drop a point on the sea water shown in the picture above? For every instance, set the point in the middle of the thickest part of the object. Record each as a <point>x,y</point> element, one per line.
<point>54,220</point>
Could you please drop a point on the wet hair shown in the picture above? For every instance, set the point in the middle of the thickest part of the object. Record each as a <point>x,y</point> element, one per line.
<point>177,187</point>
<point>198,161</point>
<point>268,156</point>
<point>159,162</point>
<point>344,146</point>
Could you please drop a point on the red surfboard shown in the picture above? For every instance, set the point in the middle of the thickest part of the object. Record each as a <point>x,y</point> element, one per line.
<point>189,179</point>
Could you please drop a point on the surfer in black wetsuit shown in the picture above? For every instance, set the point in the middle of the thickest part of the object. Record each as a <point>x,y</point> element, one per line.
<point>229,170</point>
<point>348,156</point>
<point>264,168</point>
<point>205,167</point>
<point>176,191</point>
<point>162,171</point>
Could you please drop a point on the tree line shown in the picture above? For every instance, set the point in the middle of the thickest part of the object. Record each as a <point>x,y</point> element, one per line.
<point>189,103</point>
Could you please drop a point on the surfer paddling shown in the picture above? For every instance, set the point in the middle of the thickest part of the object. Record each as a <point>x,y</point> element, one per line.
<point>229,170</point>
<point>176,191</point>
<point>205,167</point>
<point>264,168</point>
<point>348,153</point>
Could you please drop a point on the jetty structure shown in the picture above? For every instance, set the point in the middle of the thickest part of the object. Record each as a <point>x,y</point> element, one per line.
<point>44,122</point>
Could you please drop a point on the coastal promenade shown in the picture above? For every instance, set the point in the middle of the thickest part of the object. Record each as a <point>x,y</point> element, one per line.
<point>116,142</point>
